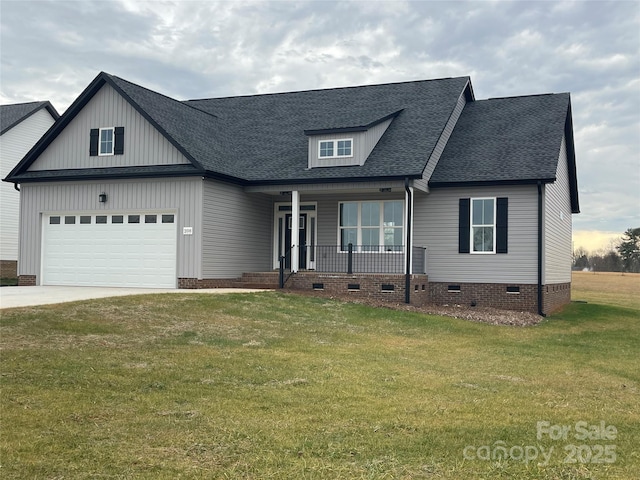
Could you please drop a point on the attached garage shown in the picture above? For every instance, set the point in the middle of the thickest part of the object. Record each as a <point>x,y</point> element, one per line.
<point>109,249</point>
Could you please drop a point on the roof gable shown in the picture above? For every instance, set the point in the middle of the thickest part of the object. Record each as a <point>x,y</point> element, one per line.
<point>143,144</point>
<point>509,140</point>
<point>13,114</point>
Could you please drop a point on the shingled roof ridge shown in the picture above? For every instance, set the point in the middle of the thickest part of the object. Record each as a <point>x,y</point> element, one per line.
<point>181,102</point>
<point>311,90</point>
<point>526,96</point>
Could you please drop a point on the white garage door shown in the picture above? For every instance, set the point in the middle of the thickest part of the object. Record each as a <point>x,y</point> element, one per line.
<point>113,250</point>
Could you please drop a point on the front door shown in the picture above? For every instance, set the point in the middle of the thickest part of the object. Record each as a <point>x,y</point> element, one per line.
<point>302,241</point>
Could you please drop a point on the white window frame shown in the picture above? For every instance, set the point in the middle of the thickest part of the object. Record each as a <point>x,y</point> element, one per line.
<point>482,225</point>
<point>381,226</point>
<point>334,143</point>
<point>113,141</point>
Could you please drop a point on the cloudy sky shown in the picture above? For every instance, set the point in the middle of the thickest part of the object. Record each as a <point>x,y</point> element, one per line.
<point>51,50</point>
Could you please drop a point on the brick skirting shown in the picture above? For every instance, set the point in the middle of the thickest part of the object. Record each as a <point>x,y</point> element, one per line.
<point>26,280</point>
<point>8,269</point>
<point>505,296</point>
<point>493,295</point>
<point>555,296</point>
<point>385,287</point>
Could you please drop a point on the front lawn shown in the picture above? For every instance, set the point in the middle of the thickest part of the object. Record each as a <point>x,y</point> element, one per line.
<point>276,385</point>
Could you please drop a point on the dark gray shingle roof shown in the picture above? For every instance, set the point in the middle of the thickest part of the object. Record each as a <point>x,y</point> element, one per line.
<point>505,139</point>
<point>11,115</point>
<point>261,139</point>
<point>266,132</point>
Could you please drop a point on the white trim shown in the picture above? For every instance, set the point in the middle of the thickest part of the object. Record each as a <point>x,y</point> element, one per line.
<point>471,225</point>
<point>335,148</point>
<point>113,141</point>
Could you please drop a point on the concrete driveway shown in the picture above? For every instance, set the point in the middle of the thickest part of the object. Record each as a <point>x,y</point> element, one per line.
<point>11,297</point>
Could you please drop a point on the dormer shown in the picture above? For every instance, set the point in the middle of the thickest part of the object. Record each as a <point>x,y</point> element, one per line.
<point>347,145</point>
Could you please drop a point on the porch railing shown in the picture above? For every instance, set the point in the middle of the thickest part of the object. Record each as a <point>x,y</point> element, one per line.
<point>362,258</point>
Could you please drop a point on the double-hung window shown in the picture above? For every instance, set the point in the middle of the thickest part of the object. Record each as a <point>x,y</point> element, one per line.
<point>106,141</point>
<point>483,225</point>
<point>371,226</point>
<point>335,148</point>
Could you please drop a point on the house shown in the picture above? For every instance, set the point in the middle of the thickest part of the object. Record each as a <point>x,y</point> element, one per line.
<point>411,191</point>
<point>21,125</point>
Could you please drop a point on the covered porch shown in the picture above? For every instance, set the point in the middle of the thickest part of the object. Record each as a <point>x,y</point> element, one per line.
<point>347,237</point>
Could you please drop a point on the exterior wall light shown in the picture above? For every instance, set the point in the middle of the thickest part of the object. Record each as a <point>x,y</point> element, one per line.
<point>102,198</point>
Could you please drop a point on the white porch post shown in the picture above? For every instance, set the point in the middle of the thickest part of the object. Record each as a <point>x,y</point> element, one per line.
<point>295,230</point>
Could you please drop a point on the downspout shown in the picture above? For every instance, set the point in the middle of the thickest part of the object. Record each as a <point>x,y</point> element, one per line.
<point>407,276</point>
<point>540,303</point>
<point>15,185</point>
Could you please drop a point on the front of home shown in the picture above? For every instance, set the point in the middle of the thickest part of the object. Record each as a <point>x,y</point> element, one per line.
<point>412,191</point>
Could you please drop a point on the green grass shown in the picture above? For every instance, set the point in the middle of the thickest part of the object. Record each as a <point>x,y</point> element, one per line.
<point>8,282</point>
<point>273,385</point>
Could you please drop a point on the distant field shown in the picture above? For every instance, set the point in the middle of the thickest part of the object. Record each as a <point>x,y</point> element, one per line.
<point>608,288</point>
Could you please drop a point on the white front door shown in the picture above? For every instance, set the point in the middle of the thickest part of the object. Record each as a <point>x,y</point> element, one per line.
<point>110,250</point>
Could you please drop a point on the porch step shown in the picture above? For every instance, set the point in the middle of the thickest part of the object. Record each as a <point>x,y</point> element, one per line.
<point>260,280</point>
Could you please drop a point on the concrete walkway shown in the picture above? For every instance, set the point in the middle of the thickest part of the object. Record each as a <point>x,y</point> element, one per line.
<point>11,297</point>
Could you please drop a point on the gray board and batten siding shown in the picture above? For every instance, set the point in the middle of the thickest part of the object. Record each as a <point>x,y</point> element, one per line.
<point>183,197</point>
<point>557,248</point>
<point>436,228</point>
<point>363,145</point>
<point>143,143</point>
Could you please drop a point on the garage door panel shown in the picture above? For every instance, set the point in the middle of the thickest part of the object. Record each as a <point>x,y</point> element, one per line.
<point>109,254</point>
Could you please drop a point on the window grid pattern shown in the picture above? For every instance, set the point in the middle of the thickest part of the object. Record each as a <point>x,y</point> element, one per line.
<point>372,226</point>
<point>483,225</point>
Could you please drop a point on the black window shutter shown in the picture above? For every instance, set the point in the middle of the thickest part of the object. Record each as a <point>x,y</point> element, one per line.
<point>464,225</point>
<point>118,147</point>
<point>502,218</point>
<point>93,142</point>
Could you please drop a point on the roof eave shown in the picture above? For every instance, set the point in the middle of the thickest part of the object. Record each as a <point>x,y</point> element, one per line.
<point>491,183</point>
<point>310,181</point>
<point>358,128</point>
<point>75,175</point>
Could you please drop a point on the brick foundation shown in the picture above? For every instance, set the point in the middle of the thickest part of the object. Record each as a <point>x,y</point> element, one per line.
<point>493,295</point>
<point>555,296</point>
<point>8,269</point>
<point>385,287</point>
<point>26,280</point>
<point>505,296</point>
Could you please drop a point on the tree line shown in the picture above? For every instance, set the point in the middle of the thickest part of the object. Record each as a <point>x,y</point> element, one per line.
<point>621,257</point>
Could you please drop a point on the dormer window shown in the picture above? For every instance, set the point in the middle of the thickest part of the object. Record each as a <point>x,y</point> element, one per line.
<point>335,148</point>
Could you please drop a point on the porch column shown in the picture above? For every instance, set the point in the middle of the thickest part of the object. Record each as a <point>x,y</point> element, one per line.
<point>408,202</point>
<point>295,230</point>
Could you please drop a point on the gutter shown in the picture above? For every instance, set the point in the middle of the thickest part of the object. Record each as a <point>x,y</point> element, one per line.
<point>407,276</point>
<point>540,301</point>
<point>16,186</point>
